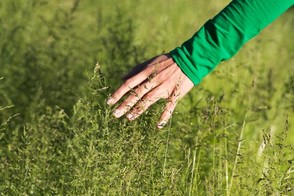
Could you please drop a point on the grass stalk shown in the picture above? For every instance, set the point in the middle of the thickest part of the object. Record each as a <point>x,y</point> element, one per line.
<point>166,149</point>
<point>236,157</point>
<point>194,170</point>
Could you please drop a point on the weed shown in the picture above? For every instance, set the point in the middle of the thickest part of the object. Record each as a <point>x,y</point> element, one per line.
<point>232,135</point>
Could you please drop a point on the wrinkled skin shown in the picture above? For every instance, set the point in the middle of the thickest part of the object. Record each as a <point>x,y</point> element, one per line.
<point>157,78</point>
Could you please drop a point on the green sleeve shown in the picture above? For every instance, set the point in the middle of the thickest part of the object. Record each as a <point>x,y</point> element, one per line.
<point>221,37</point>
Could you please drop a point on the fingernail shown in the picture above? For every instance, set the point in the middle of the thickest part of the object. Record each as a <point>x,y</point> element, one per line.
<point>130,116</point>
<point>117,113</point>
<point>161,124</point>
<point>110,101</point>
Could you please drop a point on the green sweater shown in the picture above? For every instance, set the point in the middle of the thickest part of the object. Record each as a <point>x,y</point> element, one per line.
<point>221,37</point>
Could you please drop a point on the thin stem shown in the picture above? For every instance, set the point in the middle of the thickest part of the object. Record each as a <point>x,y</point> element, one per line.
<point>237,156</point>
<point>193,169</point>
<point>166,149</point>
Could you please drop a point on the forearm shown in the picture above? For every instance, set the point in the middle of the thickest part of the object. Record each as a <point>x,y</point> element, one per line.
<point>221,37</point>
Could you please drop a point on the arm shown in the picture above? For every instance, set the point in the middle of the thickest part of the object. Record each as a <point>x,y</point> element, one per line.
<point>173,75</point>
<point>220,38</point>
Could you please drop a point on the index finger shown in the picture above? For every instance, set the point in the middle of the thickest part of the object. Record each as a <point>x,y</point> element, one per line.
<point>137,69</point>
<point>136,80</point>
<point>128,85</point>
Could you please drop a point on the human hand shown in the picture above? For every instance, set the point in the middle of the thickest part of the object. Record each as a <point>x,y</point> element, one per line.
<point>157,78</point>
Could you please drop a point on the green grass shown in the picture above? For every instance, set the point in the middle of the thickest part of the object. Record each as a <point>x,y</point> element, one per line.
<point>232,135</point>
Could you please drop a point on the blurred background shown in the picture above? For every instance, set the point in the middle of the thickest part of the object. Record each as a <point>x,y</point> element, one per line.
<point>48,51</point>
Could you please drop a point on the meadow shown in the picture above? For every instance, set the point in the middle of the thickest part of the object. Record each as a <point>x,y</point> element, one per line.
<point>59,61</point>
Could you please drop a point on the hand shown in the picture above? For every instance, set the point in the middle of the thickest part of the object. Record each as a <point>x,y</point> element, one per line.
<point>158,78</point>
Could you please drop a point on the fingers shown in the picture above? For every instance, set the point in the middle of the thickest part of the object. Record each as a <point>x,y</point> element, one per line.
<point>133,98</point>
<point>166,115</point>
<point>127,86</point>
<point>138,79</point>
<point>147,86</point>
<point>169,108</point>
<point>183,86</point>
<point>141,107</point>
<point>137,69</point>
<point>148,82</point>
<point>148,100</point>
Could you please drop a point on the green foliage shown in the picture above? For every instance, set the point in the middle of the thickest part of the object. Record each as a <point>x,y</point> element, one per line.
<point>232,135</point>
<point>46,54</point>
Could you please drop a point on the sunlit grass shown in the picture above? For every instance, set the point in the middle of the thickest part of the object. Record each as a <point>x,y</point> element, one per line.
<point>232,135</point>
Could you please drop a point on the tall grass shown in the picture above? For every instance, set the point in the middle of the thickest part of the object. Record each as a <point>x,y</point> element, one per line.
<point>232,135</point>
